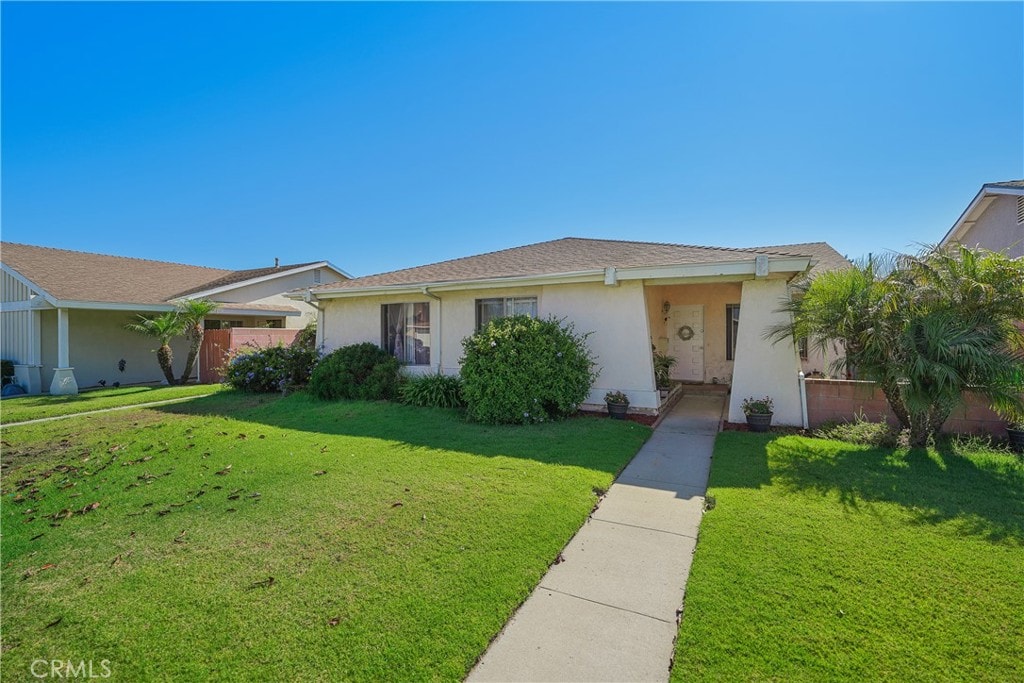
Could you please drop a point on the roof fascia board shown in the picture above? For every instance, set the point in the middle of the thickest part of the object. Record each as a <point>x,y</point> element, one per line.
<point>113,306</point>
<point>28,283</point>
<point>37,303</point>
<point>227,310</point>
<point>256,280</point>
<point>793,264</point>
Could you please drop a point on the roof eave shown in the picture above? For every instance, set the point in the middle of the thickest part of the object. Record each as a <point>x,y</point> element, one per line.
<point>263,278</point>
<point>740,269</point>
<point>986,195</point>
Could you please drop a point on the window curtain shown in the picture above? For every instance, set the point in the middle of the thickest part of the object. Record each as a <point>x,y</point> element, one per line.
<point>407,332</point>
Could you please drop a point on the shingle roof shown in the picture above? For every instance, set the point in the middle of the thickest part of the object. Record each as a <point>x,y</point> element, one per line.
<point>575,254</point>
<point>82,276</point>
<point>1008,184</point>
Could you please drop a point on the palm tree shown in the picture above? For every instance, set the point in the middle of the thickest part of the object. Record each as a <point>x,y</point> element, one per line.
<point>939,323</point>
<point>192,312</point>
<point>163,328</point>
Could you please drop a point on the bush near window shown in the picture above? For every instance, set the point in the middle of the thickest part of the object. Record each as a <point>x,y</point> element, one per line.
<point>274,368</point>
<point>432,391</point>
<point>306,338</point>
<point>360,371</point>
<point>523,370</point>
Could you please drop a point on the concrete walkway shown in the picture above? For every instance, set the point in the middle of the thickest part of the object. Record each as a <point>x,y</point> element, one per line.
<point>608,612</point>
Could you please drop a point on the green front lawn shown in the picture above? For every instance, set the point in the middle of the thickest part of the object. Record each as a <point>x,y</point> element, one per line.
<point>20,409</point>
<point>827,561</point>
<point>241,537</point>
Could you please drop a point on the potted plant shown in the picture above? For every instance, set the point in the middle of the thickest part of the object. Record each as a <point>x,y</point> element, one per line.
<point>618,404</point>
<point>663,364</point>
<point>758,412</point>
<point>1015,430</point>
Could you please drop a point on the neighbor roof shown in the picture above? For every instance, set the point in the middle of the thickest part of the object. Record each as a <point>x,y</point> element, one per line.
<point>577,254</point>
<point>81,276</point>
<point>986,195</point>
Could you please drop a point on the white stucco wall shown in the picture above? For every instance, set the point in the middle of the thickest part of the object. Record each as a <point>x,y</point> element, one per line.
<point>616,316</point>
<point>762,368</point>
<point>997,229</point>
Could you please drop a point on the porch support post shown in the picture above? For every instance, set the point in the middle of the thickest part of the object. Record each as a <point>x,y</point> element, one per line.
<point>63,375</point>
<point>762,368</point>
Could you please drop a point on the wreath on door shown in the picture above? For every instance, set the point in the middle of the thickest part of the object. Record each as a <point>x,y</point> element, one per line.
<point>685,333</point>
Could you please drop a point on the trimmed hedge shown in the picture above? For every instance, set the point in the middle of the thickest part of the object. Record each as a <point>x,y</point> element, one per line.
<point>523,370</point>
<point>360,371</point>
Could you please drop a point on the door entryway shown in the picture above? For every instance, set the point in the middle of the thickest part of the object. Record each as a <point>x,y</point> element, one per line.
<point>686,342</point>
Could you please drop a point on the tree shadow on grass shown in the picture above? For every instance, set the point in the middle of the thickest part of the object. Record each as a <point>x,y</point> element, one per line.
<point>587,442</point>
<point>982,492</point>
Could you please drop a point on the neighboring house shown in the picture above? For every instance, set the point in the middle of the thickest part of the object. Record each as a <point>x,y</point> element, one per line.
<point>64,311</point>
<point>994,220</point>
<point>707,306</point>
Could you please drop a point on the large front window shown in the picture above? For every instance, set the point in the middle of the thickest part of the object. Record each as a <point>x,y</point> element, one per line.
<point>405,332</point>
<point>492,309</point>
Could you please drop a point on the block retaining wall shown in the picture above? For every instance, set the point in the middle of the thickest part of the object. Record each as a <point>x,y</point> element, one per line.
<point>840,400</point>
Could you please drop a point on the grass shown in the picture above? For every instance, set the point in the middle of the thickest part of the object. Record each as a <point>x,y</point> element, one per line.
<point>24,408</point>
<point>399,539</point>
<point>827,561</point>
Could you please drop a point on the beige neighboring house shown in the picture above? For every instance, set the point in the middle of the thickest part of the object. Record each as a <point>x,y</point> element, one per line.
<point>63,312</point>
<point>993,220</point>
<point>707,306</point>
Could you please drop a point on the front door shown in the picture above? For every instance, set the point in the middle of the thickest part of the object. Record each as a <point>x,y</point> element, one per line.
<point>686,342</point>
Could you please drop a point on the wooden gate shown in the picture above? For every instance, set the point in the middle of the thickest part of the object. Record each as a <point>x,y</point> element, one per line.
<point>213,354</point>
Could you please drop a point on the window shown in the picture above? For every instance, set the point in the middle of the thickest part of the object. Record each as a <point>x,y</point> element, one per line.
<point>732,328</point>
<point>801,344</point>
<point>316,276</point>
<point>1020,210</point>
<point>275,324</point>
<point>492,309</point>
<point>221,324</point>
<point>405,332</point>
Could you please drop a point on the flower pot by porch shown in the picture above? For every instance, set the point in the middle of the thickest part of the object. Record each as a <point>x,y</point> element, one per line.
<point>759,422</point>
<point>1016,439</point>
<point>617,411</point>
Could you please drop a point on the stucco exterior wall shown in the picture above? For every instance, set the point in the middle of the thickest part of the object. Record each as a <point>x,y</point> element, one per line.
<point>997,229</point>
<point>616,316</point>
<point>272,292</point>
<point>97,341</point>
<point>762,368</point>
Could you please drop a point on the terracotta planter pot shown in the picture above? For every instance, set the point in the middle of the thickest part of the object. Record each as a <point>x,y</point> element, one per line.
<point>759,422</point>
<point>617,411</point>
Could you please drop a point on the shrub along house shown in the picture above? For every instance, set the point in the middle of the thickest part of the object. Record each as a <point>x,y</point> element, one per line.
<point>64,311</point>
<point>706,306</point>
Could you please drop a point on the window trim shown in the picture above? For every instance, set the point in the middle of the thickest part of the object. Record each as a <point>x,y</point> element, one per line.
<point>508,303</point>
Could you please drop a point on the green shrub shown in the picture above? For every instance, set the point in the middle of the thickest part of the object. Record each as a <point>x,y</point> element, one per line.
<point>274,368</point>
<point>306,338</point>
<point>6,372</point>
<point>860,431</point>
<point>432,391</point>
<point>361,371</point>
<point>522,370</point>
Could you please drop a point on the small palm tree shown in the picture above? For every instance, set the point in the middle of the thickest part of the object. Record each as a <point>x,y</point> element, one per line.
<point>192,313</point>
<point>163,328</point>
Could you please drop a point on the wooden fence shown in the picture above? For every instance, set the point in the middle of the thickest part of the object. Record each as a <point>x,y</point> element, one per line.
<point>218,344</point>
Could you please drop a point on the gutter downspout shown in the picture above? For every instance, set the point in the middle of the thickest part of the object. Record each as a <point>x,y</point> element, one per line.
<point>440,352</point>
<point>803,400</point>
<point>311,299</point>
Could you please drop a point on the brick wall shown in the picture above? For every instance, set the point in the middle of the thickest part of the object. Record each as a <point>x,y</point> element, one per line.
<point>840,400</point>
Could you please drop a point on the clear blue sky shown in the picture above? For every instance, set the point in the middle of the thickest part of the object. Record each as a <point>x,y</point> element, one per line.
<point>380,136</point>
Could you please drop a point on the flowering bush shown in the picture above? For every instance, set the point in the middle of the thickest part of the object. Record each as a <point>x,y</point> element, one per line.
<point>616,397</point>
<point>522,370</point>
<point>758,406</point>
<point>274,368</point>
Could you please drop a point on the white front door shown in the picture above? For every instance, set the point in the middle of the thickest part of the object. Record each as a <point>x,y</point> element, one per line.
<point>686,342</point>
